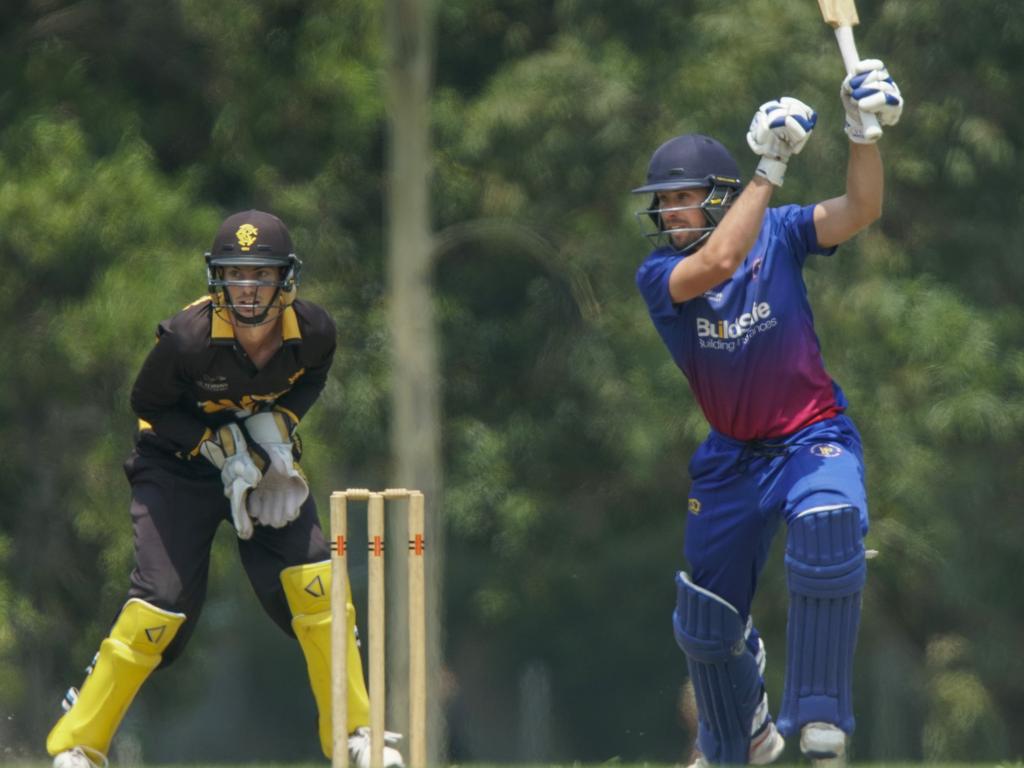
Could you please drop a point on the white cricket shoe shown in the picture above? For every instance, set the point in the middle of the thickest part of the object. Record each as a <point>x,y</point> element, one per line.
<point>765,748</point>
<point>80,757</point>
<point>359,749</point>
<point>824,744</point>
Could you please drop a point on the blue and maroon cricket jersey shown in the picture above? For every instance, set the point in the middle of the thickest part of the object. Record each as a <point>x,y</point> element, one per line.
<point>780,449</point>
<point>748,346</point>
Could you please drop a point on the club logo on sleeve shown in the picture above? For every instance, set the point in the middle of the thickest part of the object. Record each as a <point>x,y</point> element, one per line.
<point>729,335</point>
<point>693,505</point>
<point>826,450</point>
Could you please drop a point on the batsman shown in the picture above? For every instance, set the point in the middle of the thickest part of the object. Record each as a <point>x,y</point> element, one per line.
<point>218,400</point>
<point>724,289</point>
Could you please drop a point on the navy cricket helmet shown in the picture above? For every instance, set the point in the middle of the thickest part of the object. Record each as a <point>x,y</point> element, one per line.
<point>691,161</point>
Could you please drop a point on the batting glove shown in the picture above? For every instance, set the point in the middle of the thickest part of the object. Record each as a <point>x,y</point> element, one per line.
<point>778,131</point>
<point>226,449</point>
<point>277,499</point>
<point>870,89</point>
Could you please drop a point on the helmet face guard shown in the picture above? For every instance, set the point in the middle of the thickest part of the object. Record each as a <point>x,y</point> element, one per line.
<point>252,239</point>
<point>691,161</point>
<point>284,293</point>
<point>714,206</point>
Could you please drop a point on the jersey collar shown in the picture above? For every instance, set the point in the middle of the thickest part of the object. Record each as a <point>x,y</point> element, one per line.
<point>223,332</point>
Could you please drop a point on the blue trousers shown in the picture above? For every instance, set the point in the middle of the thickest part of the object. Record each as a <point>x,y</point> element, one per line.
<point>741,491</point>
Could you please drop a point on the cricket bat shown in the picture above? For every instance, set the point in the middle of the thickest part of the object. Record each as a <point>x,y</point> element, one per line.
<point>841,15</point>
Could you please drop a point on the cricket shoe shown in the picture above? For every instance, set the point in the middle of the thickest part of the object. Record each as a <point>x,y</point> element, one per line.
<point>359,749</point>
<point>765,748</point>
<point>824,745</point>
<point>80,757</point>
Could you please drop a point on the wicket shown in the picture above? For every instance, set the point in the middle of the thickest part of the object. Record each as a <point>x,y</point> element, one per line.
<point>375,624</point>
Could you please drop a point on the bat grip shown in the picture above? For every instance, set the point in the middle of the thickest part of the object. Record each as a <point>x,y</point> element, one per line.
<point>848,50</point>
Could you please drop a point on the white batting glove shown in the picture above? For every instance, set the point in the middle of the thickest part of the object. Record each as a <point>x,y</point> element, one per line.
<point>226,449</point>
<point>870,89</point>
<point>277,499</point>
<point>778,131</point>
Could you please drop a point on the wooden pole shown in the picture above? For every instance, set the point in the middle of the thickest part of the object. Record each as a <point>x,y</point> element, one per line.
<point>341,633</point>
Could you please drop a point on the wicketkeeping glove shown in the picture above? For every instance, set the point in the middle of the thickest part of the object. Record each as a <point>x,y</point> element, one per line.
<point>778,131</point>
<point>226,449</point>
<point>870,89</point>
<point>277,499</point>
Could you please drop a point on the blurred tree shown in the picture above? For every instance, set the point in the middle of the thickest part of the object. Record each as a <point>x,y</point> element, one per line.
<point>130,128</point>
<point>415,427</point>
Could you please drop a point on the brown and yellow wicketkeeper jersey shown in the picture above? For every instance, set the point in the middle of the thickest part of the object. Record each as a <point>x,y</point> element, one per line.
<point>198,377</point>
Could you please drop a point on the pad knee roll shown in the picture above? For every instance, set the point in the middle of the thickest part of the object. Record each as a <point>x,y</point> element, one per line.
<point>308,591</point>
<point>126,658</point>
<point>825,572</point>
<point>725,675</point>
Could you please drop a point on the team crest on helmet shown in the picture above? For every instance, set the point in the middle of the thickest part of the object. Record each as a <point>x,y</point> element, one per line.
<point>826,450</point>
<point>246,236</point>
<point>693,505</point>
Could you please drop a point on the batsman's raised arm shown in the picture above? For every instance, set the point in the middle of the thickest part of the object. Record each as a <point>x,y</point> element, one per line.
<point>727,246</point>
<point>696,207</point>
<point>868,90</point>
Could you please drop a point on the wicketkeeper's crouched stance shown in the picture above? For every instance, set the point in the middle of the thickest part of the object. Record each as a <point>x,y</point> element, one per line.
<point>725,291</point>
<point>218,399</point>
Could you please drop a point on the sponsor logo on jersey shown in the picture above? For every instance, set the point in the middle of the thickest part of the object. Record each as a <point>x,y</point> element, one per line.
<point>734,329</point>
<point>826,450</point>
<point>730,335</point>
<point>693,505</point>
<point>213,383</point>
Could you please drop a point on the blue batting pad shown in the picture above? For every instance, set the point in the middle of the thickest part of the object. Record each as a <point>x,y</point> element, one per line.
<point>826,573</point>
<point>723,670</point>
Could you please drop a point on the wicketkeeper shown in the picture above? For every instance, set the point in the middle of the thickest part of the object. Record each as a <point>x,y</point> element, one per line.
<point>725,291</point>
<point>218,399</point>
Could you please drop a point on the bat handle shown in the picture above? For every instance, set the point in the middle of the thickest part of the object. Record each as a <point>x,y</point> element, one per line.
<point>848,50</point>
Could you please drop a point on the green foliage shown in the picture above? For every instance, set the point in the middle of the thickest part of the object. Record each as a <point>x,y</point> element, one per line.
<point>130,128</point>
<point>961,718</point>
<point>11,681</point>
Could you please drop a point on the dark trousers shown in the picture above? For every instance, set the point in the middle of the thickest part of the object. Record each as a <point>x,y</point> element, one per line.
<point>176,508</point>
